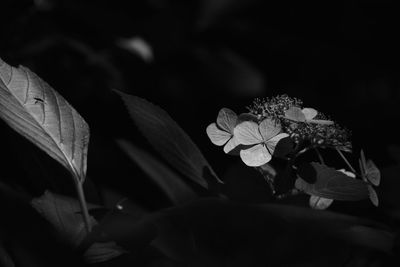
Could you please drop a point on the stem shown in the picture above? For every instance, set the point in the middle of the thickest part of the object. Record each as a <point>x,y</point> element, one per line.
<point>82,203</point>
<point>268,178</point>
<point>292,192</point>
<point>321,159</point>
<point>346,161</point>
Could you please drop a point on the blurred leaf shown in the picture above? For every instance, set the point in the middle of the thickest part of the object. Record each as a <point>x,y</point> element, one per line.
<point>210,232</point>
<point>165,135</point>
<point>138,46</point>
<point>36,111</point>
<point>172,185</point>
<point>5,259</point>
<point>127,229</point>
<point>333,184</point>
<point>372,173</point>
<point>64,214</point>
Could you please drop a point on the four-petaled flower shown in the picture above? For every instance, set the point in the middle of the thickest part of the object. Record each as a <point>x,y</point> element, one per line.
<point>221,133</point>
<point>262,139</point>
<point>304,115</point>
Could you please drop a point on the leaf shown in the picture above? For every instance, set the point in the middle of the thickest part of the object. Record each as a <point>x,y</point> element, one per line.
<point>172,185</point>
<point>218,231</point>
<point>320,203</point>
<point>372,173</point>
<point>333,184</point>
<point>37,112</point>
<point>5,259</point>
<point>373,196</point>
<point>64,214</point>
<point>165,135</point>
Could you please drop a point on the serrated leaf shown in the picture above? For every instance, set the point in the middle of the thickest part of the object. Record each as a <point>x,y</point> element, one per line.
<point>36,111</point>
<point>64,214</point>
<point>171,184</point>
<point>165,135</point>
<point>330,183</point>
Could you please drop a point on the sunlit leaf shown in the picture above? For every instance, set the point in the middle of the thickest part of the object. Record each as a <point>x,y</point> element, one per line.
<point>165,135</point>
<point>320,203</point>
<point>36,111</point>
<point>64,214</point>
<point>171,184</point>
<point>330,183</point>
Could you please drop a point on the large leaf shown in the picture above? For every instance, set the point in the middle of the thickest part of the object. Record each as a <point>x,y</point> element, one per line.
<point>65,215</point>
<point>36,111</point>
<point>211,232</point>
<point>330,183</point>
<point>165,135</point>
<point>172,185</point>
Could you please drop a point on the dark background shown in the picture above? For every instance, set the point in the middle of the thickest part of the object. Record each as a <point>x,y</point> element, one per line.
<point>340,57</point>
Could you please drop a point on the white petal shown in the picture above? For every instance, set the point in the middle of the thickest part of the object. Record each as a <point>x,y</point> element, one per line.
<point>309,113</point>
<point>247,133</point>
<point>271,143</point>
<point>226,120</point>
<point>217,136</point>
<point>268,129</point>
<point>320,203</point>
<point>232,143</point>
<point>255,156</point>
<point>295,114</point>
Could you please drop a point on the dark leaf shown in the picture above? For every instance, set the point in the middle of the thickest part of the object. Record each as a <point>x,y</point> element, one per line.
<point>64,214</point>
<point>333,184</point>
<point>213,232</point>
<point>5,259</point>
<point>165,135</point>
<point>172,185</point>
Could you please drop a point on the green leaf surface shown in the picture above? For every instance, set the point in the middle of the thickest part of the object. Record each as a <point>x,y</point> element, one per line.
<point>36,111</point>
<point>333,184</point>
<point>171,184</point>
<point>165,135</point>
<point>64,214</point>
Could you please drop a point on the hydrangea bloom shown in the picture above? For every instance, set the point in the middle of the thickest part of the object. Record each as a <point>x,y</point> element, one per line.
<point>221,133</point>
<point>261,138</point>
<point>305,115</point>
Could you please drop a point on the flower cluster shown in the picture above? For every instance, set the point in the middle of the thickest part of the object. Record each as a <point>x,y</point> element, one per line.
<point>257,133</point>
